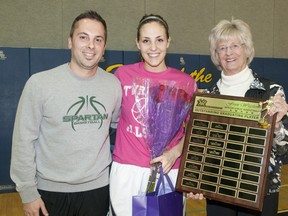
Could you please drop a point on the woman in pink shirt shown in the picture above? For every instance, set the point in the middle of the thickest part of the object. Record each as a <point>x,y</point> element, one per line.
<point>132,162</point>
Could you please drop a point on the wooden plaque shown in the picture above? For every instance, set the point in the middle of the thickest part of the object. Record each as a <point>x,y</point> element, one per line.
<point>227,149</point>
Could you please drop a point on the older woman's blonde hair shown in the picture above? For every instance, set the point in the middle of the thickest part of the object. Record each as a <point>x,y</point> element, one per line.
<point>226,30</point>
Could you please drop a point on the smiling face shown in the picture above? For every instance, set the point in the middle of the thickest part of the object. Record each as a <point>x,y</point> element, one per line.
<point>153,44</point>
<point>232,56</point>
<point>87,46</point>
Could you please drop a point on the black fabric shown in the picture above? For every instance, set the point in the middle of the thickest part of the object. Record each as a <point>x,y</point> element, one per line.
<point>259,93</point>
<point>216,208</point>
<point>285,149</point>
<point>87,203</point>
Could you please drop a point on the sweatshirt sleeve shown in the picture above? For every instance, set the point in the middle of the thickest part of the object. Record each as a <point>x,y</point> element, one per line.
<point>25,135</point>
<point>117,110</point>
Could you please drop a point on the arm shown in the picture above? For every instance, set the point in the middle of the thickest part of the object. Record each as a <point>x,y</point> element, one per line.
<point>117,108</point>
<point>280,109</point>
<point>168,158</point>
<point>25,135</point>
<point>115,117</point>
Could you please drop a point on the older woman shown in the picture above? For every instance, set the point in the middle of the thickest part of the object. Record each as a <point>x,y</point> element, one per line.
<point>232,51</point>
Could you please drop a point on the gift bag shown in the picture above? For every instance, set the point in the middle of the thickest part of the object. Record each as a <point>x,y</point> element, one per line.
<point>155,204</point>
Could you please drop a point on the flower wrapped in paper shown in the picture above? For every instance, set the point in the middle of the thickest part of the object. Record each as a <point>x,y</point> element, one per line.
<point>163,107</point>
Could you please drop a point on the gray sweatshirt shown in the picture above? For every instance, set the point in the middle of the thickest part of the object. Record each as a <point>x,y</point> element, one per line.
<point>61,132</point>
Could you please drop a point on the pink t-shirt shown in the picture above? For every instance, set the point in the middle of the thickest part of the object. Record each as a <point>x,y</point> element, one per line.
<point>130,146</point>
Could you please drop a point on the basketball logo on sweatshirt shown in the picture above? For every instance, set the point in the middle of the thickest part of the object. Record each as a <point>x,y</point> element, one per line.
<point>87,110</point>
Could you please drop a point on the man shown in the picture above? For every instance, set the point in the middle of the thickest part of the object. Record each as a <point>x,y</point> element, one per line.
<point>61,148</point>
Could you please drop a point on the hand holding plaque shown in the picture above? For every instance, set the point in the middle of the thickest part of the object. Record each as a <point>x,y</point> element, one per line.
<point>266,106</point>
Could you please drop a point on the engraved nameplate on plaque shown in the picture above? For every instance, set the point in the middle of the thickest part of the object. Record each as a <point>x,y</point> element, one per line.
<point>227,149</point>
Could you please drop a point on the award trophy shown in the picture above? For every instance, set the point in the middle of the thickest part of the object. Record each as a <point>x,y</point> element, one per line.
<point>227,149</point>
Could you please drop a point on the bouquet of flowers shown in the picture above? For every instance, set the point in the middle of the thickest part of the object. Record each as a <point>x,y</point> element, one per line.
<point>162,109</point>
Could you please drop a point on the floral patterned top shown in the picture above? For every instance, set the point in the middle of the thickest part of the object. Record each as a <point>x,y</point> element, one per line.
<point>264,88</point>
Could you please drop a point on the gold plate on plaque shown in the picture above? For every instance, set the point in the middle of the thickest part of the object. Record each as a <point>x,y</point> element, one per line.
<point>227,149</point>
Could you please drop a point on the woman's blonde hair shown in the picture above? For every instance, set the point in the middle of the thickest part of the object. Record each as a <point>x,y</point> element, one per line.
<point>226,30</point>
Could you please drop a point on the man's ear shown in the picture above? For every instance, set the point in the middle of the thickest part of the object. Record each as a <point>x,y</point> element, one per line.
<point>69,42</point>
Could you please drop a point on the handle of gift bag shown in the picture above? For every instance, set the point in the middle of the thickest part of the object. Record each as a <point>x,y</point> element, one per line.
<point>161,181</point>
<point>153,176</point>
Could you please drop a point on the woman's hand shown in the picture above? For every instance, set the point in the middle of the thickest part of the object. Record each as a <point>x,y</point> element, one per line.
<point>168,158</point>
<point>279,108</point>
<point>197,196</point>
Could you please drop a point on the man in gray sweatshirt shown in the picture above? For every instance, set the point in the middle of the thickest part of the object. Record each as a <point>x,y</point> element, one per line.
<point>61,147</point>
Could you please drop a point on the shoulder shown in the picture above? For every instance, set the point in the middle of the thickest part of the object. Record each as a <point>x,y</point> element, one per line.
<point>178,72</point>
<point>127,72</point>
<point>263,87</point>
<point>43,81</point>
<point>50,72</point>
<point>129,67</point>
<point>47,76</point>
<point>110,77</point>
<point>181,75</point>
<point>265,81</point>
<point>212,89</point>
<point>270,85</point>
<point>183,80</point>
<point>108,80</point>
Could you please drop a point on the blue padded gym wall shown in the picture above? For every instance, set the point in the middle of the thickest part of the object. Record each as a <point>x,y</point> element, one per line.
<point>18,64</point>
<point>14,71</point>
